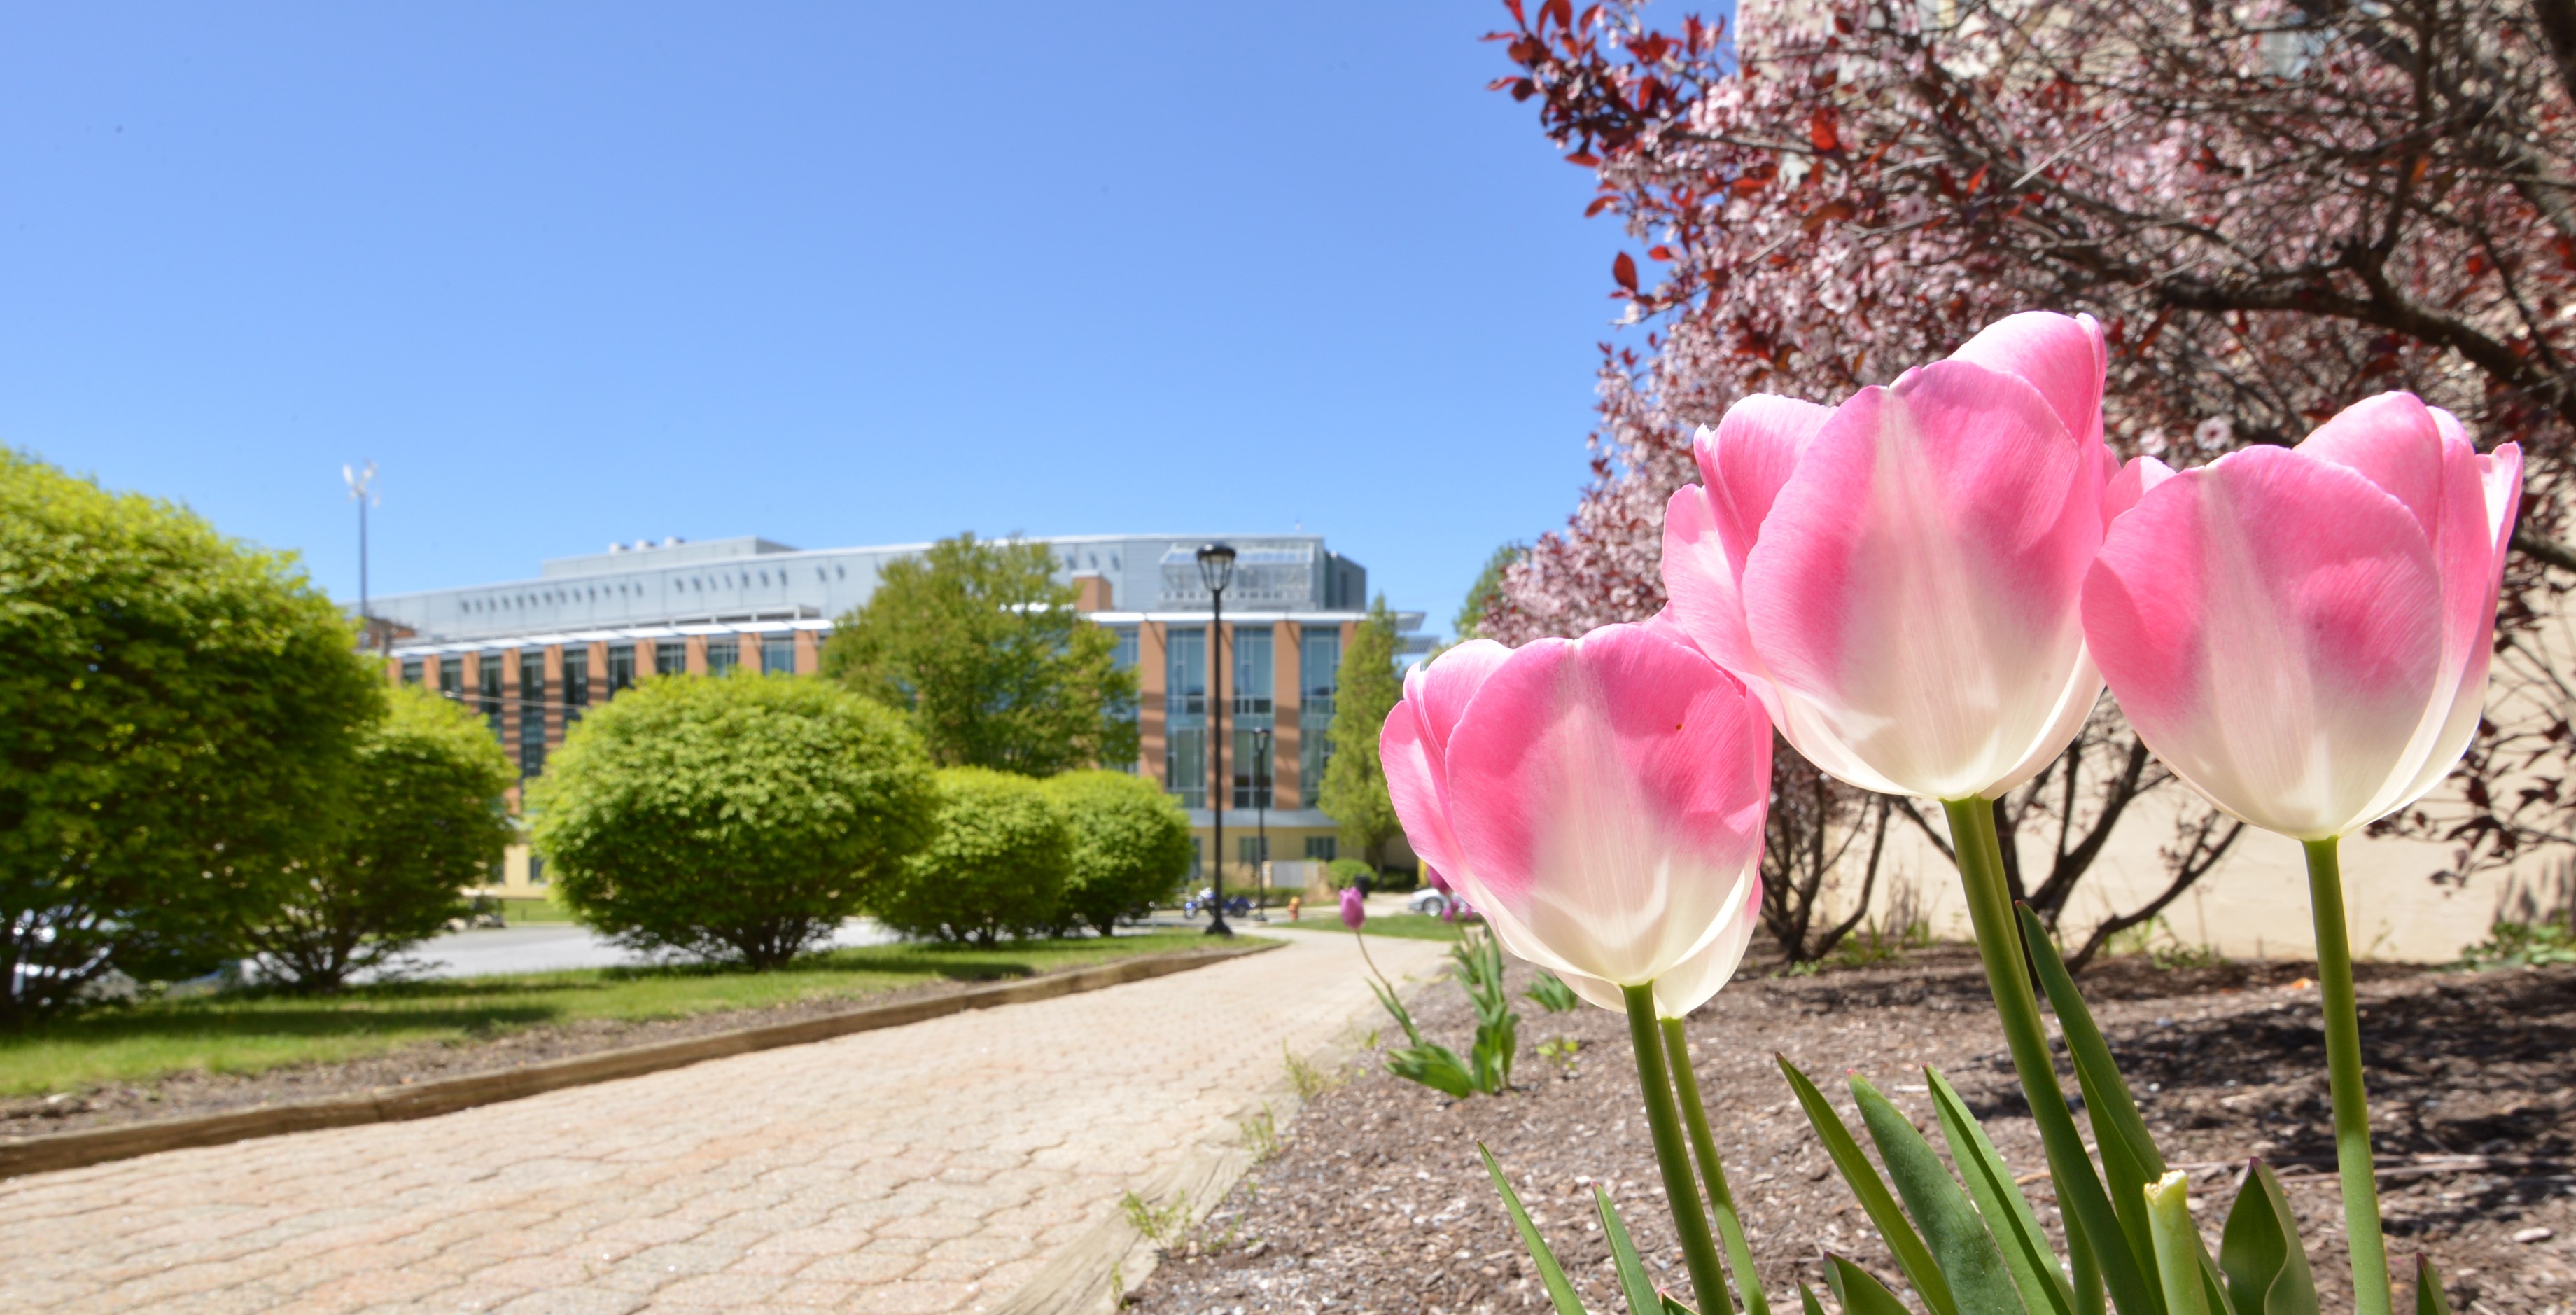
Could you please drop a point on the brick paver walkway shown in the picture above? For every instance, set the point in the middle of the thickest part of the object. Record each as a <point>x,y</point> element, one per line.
<point>924,1168</point>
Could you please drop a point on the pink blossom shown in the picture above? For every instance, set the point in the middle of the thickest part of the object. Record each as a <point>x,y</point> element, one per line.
<point>2303,634</point>
<point>1897,578</point>
<point>1599,801</point>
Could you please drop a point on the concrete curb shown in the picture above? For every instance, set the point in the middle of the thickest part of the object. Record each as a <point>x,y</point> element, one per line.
<point>1095,1272</point>
<point>20,1156</point>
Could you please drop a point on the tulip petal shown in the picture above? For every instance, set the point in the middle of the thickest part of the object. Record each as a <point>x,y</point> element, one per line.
<point>1913,592</point>
<point>1748,457</point>
<point>1416,785</point>
<point>2132,483</point>
<point>1608,795</point>
<point>1450,680</point>
<point>1697,979</point>
<point>2064,357</point>
<point>2271,624</point>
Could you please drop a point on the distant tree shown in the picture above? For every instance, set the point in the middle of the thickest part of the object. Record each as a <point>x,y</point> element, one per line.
<point>423,817</point>
<point>174,706</point>
<point>996,862</point>
<point>1367,688</point>
<point>980,643</point>
<point>1131,845</point>
<point>734,818</point>
<point>1488,587</point>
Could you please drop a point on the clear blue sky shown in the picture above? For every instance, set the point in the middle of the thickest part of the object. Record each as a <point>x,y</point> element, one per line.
<point>834,274</point>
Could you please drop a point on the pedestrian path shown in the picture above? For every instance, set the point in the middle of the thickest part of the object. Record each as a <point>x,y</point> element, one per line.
<point>928,1168</point>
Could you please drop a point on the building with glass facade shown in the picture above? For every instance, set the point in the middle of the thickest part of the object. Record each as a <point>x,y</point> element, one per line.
<point>532,656</point>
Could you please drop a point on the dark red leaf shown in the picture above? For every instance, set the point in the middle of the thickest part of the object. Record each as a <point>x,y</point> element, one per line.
<point>1624,270</point>
<point>1585,158</point>
<point>1820,129</point>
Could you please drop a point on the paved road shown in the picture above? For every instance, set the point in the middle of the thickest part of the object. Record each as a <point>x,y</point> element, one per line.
<point>550,947</point>
<point>929,1168</point>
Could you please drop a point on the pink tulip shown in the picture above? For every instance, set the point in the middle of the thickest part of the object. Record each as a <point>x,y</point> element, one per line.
<point>1599,801</point>
<point>1897,578</point>
<point>1432,878</point>
<point>2303,634</point>
<point>1354,912</point>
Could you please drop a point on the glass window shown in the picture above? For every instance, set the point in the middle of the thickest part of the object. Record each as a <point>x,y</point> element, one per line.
<point>1185,673</point>
<point>576,683</point>
<point>1320,849</point>
<point>1252,851</point>
<point>532,711</point>
<point>670,657</point>
<point>621,668</point>
<point>411,671</point>
<point>487,672</point>
<point>1250,768</point>
<point>451,677</point>
<point>1252,672</point>
<point>1319,665</point>
<point>1185,765</point>
<point>724,653</point>
<point>778,655</point>
<point>536,870</point>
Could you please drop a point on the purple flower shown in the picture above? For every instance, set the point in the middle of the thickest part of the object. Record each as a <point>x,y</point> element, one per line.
<point>1352,914</point>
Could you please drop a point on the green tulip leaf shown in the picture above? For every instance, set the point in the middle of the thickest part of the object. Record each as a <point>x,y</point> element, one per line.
<point>1634,1281</point>
<point>1875,1200</point>
<point>1961,1246</point>
<point>2008,1216</point>
<point>1807,1304</point>
<point>2130,1160</point>
<point>2177,1241</point>
<point>2266,1268</point>
<point>1551,1275</point>
<point>2430,1299</point>
<point>1859,1291</point>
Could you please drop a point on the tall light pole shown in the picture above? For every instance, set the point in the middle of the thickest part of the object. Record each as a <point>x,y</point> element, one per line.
<point>1216,571</point>
<point>362,491</point>
<point>1261,800</point>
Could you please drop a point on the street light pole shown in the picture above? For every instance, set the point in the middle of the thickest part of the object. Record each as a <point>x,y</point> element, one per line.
<point>1216,570</point>
<point>361,481</point>
<point>1261,801</point>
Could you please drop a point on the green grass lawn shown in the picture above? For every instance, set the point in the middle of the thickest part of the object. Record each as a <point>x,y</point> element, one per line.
<point>521,911</point>
<point>1400,926</point>
<point>250,1032</point>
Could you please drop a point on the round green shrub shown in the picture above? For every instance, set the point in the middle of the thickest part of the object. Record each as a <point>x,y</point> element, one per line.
<point>1131,845</point>
<point>1345,873</point>
<point>995,864</point>
<point>175,709</point>
<point>735,818</point>
<point>424,818</point>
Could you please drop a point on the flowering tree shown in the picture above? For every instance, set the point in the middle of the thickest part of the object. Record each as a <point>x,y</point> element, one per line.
<point>2272,208</point>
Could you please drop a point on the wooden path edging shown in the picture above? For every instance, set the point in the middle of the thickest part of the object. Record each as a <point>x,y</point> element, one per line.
<point>71,1150</point>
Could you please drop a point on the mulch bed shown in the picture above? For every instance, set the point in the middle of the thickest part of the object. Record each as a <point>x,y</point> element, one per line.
<point>195,1092</point>
<point>1377,1202</point>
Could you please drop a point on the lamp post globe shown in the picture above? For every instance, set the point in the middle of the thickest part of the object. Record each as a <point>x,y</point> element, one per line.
<point>1216,571</point>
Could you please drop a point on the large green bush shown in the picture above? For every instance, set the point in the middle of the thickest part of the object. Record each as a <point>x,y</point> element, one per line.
<point>174,706</point>
<point>423,818</point>
<point>735,818</point>
<point>995,865</point>
<point>1131,845</point>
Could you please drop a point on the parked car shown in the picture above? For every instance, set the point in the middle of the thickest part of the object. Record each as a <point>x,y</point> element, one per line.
<point>1429,901</point>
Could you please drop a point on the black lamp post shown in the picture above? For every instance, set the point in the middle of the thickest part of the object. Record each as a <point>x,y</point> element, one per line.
<point>1261,801</point>
<point>1216,571</point>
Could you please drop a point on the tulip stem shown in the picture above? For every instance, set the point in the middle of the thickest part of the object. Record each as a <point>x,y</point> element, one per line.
<point>2079,1190</point>
<point>2343,1068</point>
<point>1739,1253</point>
<point>1690,1224</point>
